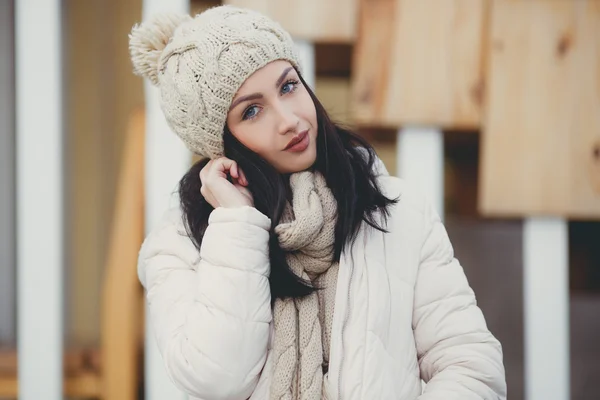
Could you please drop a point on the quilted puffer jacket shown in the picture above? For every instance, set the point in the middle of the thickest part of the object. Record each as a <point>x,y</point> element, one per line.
<point>404,311</point>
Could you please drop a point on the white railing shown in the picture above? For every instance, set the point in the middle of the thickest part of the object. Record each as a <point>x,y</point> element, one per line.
<point>40,191</point>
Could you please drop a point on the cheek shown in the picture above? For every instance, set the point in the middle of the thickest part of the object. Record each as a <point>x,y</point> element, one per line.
<point>309,111</point>
<point>244,135</point>
<point>253,141</point>
<point>253,137</point>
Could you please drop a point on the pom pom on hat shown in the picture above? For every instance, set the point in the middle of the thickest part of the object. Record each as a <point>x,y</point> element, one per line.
<point>148,40</point>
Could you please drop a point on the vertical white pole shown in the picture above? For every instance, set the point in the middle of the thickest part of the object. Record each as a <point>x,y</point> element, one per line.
<point>167,160</point>
<point>546,296</point>
<point>8,241</point>
<point>40,188</point>
<point>306,53</point>
<point>420,160</point>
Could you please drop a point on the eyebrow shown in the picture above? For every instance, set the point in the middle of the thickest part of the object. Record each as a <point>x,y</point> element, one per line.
<point>255,96</point>
<point>282,76</point>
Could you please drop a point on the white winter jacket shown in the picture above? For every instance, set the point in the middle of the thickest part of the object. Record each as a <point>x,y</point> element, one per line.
<point>404,311</point>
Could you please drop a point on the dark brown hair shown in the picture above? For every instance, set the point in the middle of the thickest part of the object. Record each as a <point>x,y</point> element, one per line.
<point>345,159</point>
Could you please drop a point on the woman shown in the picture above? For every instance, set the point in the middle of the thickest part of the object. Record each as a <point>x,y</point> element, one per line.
<point>296,267</point>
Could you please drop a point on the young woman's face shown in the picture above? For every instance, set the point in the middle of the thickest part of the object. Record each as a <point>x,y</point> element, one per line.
<point>273,115</point>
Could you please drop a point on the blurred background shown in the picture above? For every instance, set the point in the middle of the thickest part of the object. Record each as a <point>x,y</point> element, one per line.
<point>492,107</point>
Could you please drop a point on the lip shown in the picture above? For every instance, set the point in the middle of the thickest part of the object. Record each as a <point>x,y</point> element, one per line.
<point>299,142</point>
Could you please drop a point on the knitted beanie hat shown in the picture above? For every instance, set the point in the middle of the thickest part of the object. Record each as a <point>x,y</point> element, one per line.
<point>200,63</point>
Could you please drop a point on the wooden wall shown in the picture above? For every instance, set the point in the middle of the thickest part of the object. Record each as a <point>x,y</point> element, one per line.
<point>330,21</point>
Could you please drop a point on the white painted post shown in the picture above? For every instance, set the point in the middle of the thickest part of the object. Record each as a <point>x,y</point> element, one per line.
<point>546,297</point>
<point>306,53</point>
<point>40,191</point>
<point>420,160</point>
<point>167,160</point>
<point>8,241</point>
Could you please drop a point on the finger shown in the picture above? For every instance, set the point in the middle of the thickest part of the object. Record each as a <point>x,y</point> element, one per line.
<point>243,179</point>
<point>223,165</point>
<point>206,194</point>
<point>215,169</point>
<point>234,171</point>
<point>205,170</point>
<point>202,174</point>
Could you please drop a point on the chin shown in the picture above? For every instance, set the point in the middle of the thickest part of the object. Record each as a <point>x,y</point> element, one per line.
<point>308,159</point>
<point>302,162</point>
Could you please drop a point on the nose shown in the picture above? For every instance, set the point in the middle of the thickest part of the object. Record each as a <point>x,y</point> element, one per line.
<point>288,121</point>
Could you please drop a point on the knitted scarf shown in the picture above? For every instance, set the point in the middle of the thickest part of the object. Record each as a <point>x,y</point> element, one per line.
<point>306,233</point>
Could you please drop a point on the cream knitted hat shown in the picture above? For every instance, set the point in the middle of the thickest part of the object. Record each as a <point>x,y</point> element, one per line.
<point>200,63</point>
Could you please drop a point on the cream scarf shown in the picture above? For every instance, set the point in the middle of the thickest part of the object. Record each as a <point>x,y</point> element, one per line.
<point>306,233</point>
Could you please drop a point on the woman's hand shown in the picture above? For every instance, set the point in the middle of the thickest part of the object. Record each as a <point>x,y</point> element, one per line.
<point>218,191</point>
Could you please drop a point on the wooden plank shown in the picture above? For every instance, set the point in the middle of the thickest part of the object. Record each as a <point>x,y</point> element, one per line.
<point>9,387</point>
<point>102,93</point>
<point>334,94</point>
<point>122,294</point>
<point>86,384</point>
<point>331,21</point>
<point>198,6</point>
<point>419,62</point>
<point>89,125</point>
<point>83,385</point>
<point>541,145</point>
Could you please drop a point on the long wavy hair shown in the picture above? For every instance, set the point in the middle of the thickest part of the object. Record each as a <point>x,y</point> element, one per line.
<point>345,159</point>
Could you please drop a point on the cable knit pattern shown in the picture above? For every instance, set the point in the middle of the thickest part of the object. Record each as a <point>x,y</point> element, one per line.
<point>200,63</point>
<point>327,306</point>
<point>307,234</point>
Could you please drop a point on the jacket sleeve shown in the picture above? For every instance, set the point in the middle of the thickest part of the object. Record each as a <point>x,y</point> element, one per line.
<point>210,312</point>
<point>458,357</point>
